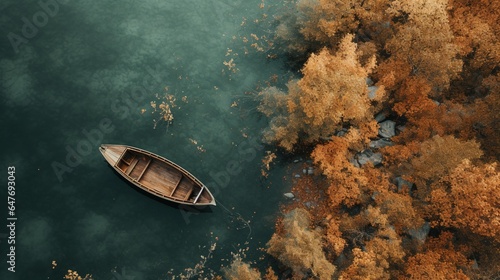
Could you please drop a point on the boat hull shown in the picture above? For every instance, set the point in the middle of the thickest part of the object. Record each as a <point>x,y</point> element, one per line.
<point>157,175</point>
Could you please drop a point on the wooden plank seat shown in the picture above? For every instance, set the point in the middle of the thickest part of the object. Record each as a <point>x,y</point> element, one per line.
<point>131,166</point>
<point>144,170</point>
<point>199,194</point>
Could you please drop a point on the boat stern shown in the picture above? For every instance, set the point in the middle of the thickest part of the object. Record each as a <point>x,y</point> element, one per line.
<point>212,198</point>
<point>212,203</point>
<point>112,153</point>
<point>204,197</point>
<point>103,148</point>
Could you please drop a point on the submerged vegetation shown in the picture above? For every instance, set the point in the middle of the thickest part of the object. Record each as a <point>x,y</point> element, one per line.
<point>398,101</point>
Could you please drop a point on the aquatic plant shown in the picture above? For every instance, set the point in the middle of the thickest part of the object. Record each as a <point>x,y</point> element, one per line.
<point>73,275</point>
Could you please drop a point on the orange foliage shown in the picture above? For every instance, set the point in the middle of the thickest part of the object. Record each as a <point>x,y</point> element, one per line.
<point>425,41</point>
<point>440,260</point>
<point>477,32</point>
<point>334,238</point>
<point>485,116</point>
<point>412,98</point>
<point>363,267</point>
<point>328,21</point>
<point>438,63</point>
<point>270,274</point>
<point>392,72</point>
<point>398,155</point>
<point>334,159</point>
<point>469,198</point>
<point>427,117</point>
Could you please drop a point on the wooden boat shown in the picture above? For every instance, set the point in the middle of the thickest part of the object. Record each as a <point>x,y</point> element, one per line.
<point>157,175</point>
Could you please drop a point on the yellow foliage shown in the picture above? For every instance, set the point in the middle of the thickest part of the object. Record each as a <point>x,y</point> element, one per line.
<point>399,209</point>
<point>332,91</point>
<point>300,248</point>
<point>364,266</point>
<point>379,254</point>
<point>328,21</point>
<point>239,270</point>
<point>334,87</point>
<point>440,155</point>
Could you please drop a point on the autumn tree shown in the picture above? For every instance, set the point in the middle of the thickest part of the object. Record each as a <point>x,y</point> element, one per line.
<point>326,22</point>
<point>398,207</point>
<point>437,73</point>
<point>440,259</point>
<point>426,117</point>
<point>300,248</point>
<point>335,158</point>
<point>484,116</point>
<point>438,157</point>
<point>381,254</point>
<point>239,270</point>
<point>477,33</point>
<point>270,275</point>
<point>413,102</point>
<point>334,88</point>
<point>284,128</point>
<point>468,198</point>
<point>332,92</point>
<point>423,41</point>
<point>333,236</point>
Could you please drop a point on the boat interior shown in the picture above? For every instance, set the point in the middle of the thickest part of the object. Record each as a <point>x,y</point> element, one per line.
<point>160,178</point>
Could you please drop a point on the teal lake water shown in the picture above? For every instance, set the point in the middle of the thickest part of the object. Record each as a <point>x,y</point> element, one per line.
<point>80,76</point>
